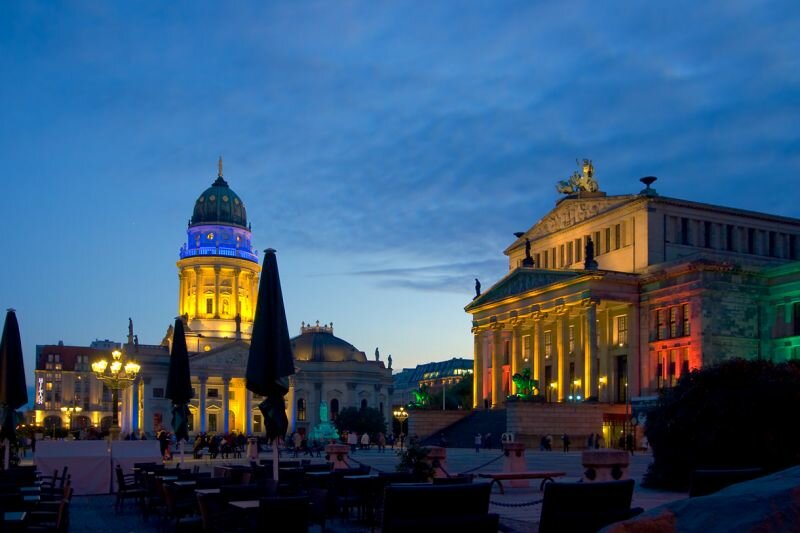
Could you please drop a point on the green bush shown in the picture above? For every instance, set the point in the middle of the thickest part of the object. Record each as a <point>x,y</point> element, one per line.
<point>736,414</point>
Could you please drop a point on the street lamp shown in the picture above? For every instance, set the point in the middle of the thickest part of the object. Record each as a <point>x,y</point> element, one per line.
<point>68,410</point>
<point>116,377</point>
<point>401,415</point>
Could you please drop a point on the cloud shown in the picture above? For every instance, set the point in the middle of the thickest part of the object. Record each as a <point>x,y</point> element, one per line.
<point>452,277</point>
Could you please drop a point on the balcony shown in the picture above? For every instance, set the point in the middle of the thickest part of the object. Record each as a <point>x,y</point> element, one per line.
<point>218,251</point>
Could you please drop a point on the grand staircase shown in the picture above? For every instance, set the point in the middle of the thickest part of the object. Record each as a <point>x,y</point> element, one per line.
<point>462,433</point>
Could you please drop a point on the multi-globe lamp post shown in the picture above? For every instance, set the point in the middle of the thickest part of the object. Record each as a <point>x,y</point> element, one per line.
<point>68,410</point>
<point>401,415</point>
<point>116,376</point>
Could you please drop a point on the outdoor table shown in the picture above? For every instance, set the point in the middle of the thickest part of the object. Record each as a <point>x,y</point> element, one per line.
<point>168,478</point>
<point>207,491</point>
<point>245,504</point>
<point>30,490</point>
<point>362,491</point>
<point>187,483</point>
<point>14,520</point>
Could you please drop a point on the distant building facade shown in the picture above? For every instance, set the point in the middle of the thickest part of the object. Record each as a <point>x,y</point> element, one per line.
<point>218,274</point>
<point>613,297</point>
<point>432,375</point>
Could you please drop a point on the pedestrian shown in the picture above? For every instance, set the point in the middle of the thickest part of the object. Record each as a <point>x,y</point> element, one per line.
<point>365,441</point>
<point>381,442</point>
<point>565,440</point>
<point>630,443</point>
<point>549,443</point>
<point>352,440</point>
<point>478,441</point>
<point>590,441</point>
<point>489,441</point>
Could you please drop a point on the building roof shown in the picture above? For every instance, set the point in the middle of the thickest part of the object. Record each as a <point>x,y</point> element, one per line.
<point>318,343</point>
<point>410,377</point>
<point>219,205</point>
<point>68,355</point>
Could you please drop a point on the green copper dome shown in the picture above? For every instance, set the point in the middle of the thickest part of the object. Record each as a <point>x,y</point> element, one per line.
<point>219,205</point>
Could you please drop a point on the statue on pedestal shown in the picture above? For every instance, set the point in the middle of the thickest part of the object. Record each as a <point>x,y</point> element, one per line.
<point>589,263</point>
<point>377,354</point>
<point>477,288</point>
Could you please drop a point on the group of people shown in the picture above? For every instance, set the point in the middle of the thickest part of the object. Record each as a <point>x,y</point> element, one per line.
<point>365,442</point>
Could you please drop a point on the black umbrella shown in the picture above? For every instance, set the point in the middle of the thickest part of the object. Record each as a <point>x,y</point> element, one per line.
<point>179,384</point>
<point>271,360</point>
<point>13,390</point>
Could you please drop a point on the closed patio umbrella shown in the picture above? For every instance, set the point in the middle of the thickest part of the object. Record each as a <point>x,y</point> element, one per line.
<point>270,361</point>
<point>13,390</point>
<point>179,385</point>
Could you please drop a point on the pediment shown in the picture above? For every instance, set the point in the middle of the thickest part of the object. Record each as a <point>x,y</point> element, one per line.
<point>233,355</point>
<point>571,211</point>
<point>520,281</point>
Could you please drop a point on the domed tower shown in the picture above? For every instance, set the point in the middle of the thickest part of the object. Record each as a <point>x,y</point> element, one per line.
<point>218,270</point>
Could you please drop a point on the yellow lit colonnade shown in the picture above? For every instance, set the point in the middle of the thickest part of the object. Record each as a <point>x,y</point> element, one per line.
<point>577,333</point>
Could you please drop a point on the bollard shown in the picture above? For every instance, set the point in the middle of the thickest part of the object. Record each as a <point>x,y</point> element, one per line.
<point>515,462</point>
<point>437,457</point>
<point>252,449</point>
<point>337,454</point>
<point>605,465</point>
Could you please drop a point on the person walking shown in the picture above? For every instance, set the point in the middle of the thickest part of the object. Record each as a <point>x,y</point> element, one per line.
<point>566,442</point>
<point>365,441</point>
<point>478,441</point>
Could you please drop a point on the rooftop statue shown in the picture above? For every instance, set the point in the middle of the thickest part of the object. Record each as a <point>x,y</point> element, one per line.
<point>581,180</point>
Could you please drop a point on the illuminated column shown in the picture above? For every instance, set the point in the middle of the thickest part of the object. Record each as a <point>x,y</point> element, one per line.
<point>181,291</point>
<point>515,365</point>
<point>202,403</point>
<point>538,351</point>
<point>135,407</point>
<point>197,291</point>
<point>562,344</point>
<point>477,370</point>
<point>634,356</point>
<point>497,368</point>
<point>216,292</point>
<point>236,306</point>
<point>606,385</point>
<point>253,295</point>
<point>226,383</point>
<point>248,412</point>
<point>590,349</point>
<point>579,351</point>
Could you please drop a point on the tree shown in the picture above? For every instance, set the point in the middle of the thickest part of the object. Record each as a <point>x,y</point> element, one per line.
<point>738,413</point>
<point>362,420</point>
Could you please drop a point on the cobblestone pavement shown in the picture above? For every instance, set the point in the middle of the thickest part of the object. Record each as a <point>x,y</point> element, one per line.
<point>517,508</point>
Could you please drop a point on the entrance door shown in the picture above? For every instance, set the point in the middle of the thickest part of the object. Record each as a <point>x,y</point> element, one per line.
<point>622,379</point>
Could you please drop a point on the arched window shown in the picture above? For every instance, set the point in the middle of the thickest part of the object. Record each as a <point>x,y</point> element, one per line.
<point>334,409</point>
<point>301,410</point>
<point>364,403</point>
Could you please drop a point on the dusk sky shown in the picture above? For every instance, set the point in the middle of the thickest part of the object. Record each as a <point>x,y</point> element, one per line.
<point>387,150</point>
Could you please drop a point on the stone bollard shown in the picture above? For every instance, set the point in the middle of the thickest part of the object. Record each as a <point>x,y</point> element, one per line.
<point>252,449</point>
<point>337,454</point>
<point>515,462</point>
<point>437,458</point>
<point>605,465</point>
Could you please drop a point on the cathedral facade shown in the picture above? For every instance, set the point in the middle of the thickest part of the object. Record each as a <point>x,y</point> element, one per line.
<point>218,275</point>
<point>610,298</point>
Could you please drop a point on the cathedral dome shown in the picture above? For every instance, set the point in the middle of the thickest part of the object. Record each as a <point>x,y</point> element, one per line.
<point>318,343</point>
<point>219,205</point>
